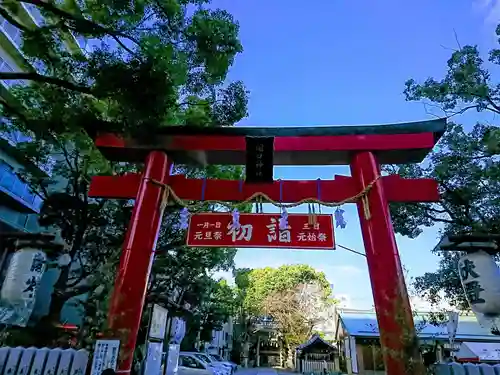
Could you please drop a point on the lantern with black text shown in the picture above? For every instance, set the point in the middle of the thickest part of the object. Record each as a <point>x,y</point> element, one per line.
<point>480,277</point>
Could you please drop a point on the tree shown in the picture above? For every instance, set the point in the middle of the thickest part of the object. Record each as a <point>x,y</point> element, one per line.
<point>464,163</point>
<point>298,312</point>
<point>257,284</point>
<point>272,292</point>
<point>153,63</point>
<point>176,61</point>
<point>92,230</point>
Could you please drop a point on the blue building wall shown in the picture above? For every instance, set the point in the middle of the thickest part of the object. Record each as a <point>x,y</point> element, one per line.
<point>18,205</point>
<point>18,212</point>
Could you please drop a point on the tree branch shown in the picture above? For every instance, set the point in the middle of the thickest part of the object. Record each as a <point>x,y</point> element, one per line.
<point>99,29</point>
<point>6,14</point>
<point>32,76</point>
<point>82,289</point>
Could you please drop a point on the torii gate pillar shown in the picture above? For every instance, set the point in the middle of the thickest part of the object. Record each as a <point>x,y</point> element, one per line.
<point>395,320</point>
<point>364,148</point>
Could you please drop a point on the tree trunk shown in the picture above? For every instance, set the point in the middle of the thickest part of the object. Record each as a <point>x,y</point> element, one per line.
<point>246,352</point>
<point>289,357</point>
<point>281,353</point>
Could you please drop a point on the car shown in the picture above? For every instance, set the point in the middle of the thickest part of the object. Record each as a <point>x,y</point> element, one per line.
<point>225,369</point>
<point>218,358</point>
<point>190,365</point>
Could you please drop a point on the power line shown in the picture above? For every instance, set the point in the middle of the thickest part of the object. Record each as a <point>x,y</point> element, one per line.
<point>351,250</point>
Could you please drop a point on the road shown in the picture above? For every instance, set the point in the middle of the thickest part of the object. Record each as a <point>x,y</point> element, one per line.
<point>261,371</point>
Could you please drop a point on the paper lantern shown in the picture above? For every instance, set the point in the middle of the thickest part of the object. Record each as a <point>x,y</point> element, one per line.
<point>480,277</point>
<point>23,276</point>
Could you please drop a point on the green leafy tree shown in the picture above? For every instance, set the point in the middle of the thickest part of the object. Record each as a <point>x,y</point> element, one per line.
<point>465,163</point>
<point>297,313</point>
<point>152,64</point>
<point>260,292</point>
<point>257,284</point>
<point>215,309</point>
<point>149,64</point>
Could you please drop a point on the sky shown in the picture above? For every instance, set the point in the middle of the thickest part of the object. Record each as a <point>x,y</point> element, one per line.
<point>344,62</point>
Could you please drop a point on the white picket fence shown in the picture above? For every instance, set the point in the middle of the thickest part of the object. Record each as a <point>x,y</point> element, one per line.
<point>44,361</point>
<point>316,367</point>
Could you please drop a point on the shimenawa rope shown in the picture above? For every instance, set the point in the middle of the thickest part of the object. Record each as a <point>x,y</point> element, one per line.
<point>259,197</point>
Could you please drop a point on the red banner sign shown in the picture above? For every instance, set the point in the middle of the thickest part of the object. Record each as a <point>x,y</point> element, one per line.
<point>261,230</point>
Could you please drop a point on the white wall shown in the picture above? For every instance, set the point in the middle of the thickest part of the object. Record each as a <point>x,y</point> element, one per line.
<point>222,339</point>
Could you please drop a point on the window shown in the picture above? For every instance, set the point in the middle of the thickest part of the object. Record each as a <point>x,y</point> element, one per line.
<point>35,13</point>
<point>11,181</point>
<point>7,68</point>
<point>203,357</point>
<point>20,188</point>
<point>190,362</point>
<point>372,358</point>
<point>15,219</point>
<point>32,223</point>
<point>22,220</point>
<point>7,176</point>
<point>13,32</point>
<point>217,357</point>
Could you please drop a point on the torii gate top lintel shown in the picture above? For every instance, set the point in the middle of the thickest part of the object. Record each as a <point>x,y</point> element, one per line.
<point>321,145</point>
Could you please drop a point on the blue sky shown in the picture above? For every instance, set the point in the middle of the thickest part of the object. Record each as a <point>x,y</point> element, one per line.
<point>345,63</point>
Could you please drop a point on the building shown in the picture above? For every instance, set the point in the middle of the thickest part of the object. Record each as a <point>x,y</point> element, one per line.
<point>222,341</point>
<point>359,340</point>
<point>18,205</point>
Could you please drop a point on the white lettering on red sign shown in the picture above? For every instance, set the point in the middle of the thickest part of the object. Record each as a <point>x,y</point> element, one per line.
<point>244,232</point>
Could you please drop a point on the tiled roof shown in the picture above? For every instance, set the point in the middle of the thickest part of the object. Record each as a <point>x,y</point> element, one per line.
<point>313,340</point>
<point>364,324</point>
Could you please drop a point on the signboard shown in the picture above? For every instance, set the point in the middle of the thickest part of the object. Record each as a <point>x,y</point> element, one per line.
<point>452,326</point>
<point>158,324</point>
<point>177,330</point>
<point>259,159</point>
<point>153,361</point>
<point>354,354</point>
<point>105,356</point>
<point>172,359</point>
<point>261,230</point>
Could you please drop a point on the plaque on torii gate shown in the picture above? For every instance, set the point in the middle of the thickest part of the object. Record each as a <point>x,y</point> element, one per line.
<point>363,148</point>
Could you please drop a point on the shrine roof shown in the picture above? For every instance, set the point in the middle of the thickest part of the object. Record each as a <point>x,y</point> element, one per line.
<point>361,323</point>
<point>436,126</point>
<point>318,342</point>
<point>319,145</point>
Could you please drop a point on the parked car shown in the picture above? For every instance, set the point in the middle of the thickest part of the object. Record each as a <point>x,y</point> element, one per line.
<point>225,369</point>
<point>190,365</point>
<point>218,358</point>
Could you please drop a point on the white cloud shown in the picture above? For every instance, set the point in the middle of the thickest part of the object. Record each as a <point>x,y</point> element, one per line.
<point>228,275</point>
<point>344,300</point>
<point>420,304</point>
<point>490,9</point>
<point>349,270</point>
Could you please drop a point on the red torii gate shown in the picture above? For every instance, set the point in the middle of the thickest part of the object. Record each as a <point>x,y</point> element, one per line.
<point>364,148</point>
